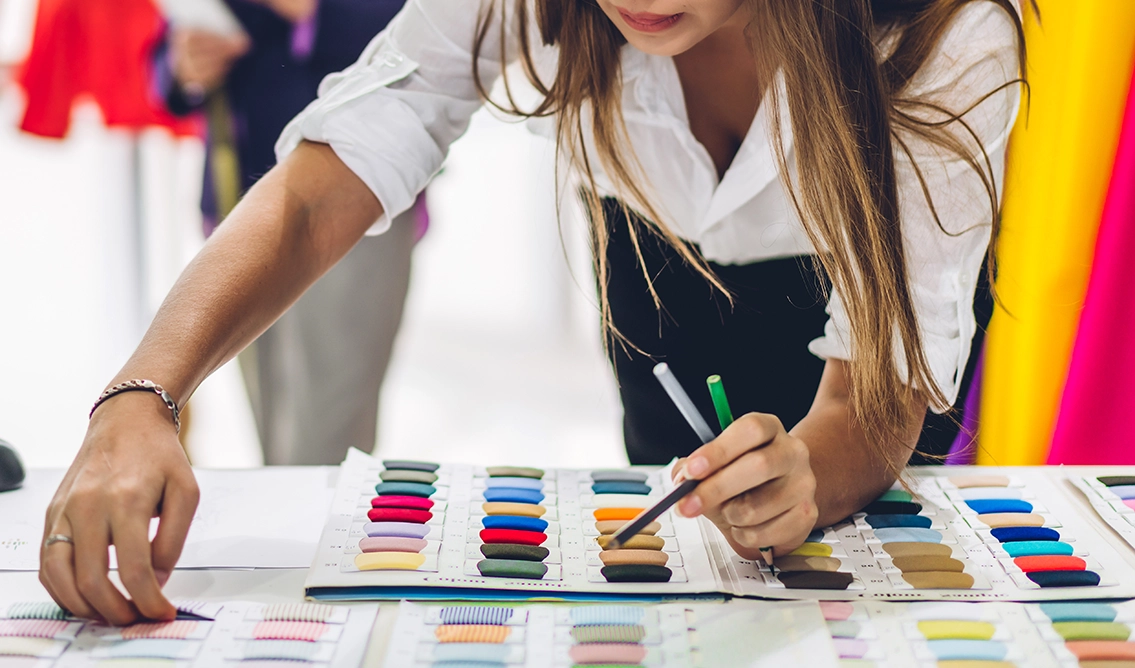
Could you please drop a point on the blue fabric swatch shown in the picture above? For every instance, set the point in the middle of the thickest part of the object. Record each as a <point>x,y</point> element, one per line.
<point>515,522</point>
<point>513,495</point>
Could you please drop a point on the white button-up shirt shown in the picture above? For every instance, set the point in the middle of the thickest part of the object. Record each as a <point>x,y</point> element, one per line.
<point>393,114</point>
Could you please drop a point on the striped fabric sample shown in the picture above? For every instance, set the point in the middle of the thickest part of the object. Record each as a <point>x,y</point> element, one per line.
<point>482,633</point>
<point>307,631</point>
<point>32,628</point>
<point>606,615</point>
<point>178,629</point>
<point>36,610</point>
<point>608,633</point>
<point>298,612</point>
<point>468,614</point>
<point>198,608</point>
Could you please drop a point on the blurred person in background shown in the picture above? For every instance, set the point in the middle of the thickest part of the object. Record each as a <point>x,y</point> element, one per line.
<point>314,377</point>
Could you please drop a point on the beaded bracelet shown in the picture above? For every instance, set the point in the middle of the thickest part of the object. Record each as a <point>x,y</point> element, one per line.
<point>139,385</point>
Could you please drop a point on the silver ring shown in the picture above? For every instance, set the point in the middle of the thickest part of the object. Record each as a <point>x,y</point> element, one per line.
<point>57,538</point>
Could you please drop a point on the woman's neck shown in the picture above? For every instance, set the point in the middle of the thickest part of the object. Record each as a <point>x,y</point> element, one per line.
<point>721,89</point>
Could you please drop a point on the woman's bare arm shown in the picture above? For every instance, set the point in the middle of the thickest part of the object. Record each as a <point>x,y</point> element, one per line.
<point>293,226</point>
<point>850,471</point>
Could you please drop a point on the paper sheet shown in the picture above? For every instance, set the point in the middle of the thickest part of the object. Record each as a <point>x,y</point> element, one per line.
<point>249,518</point>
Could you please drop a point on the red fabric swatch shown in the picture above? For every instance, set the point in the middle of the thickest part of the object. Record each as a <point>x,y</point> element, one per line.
<point>513,536</point>
<point>395,501</point>
<point>178,629</point>
<point>32,628</point>
<point>1050,563</point>
<point>309,631</point>
<point>399,515</point>
<point>99,48</point>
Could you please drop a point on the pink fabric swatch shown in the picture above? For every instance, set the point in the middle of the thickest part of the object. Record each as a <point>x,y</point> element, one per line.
<point>850,648</point>
<point>309,631</point>
<point>32,628</point>
<point>836,611</point>
<point>608,653</point>
<point>1097,410</point>
<point>179,629</point>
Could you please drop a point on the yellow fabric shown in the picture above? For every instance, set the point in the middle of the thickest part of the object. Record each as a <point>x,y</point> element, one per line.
<point>812,550</point>
<point>958,630</point>
<point>389,561</point>
<point>1060,160</point>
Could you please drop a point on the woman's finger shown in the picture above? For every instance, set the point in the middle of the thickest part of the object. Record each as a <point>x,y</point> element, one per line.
<point>752,469</point>
<point>761,504</point>
<point>746,433</point>
<point>130,532</point>
<point>57,569</point>
<point>178,507</point>
<point>786,531</point>
<point>92,565</point>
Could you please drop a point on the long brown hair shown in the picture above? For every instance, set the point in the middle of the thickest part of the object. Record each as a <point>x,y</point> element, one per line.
<point>848,114</point>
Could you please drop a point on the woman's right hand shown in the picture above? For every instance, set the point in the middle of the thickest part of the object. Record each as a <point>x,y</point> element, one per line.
<point>130,468</point>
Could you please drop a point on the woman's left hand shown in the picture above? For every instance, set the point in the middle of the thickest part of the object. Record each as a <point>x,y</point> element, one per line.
<point>757,486</point>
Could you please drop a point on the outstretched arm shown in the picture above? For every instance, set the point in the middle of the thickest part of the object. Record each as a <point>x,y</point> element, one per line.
<point>297,222</point>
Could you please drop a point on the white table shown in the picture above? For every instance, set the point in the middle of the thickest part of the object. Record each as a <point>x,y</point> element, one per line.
<point>267,585</point>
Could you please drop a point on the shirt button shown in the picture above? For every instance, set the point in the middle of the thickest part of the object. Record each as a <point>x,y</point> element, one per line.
<point>392,59</point>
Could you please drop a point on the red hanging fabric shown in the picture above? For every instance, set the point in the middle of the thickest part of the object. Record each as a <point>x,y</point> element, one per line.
<point>99,48</point>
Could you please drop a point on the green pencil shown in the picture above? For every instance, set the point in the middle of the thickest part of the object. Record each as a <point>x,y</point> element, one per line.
<point>725,418</point>
<point>720,402</point>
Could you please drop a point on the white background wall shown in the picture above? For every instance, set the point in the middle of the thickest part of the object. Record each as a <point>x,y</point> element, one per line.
<point>498,360</point>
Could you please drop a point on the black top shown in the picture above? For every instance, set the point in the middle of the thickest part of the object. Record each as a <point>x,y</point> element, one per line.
<point>759,345</point>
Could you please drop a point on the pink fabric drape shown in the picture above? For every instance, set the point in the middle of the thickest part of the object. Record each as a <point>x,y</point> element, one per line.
<point>1097,413</point>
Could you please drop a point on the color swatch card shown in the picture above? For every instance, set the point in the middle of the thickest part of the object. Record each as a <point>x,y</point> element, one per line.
<point>962,533</point>
<point>1111,492</point>
<point>751,633</point>
<point>403,529</point>
<point>414,529</point>
<point>1045,635</point>
<point>205,634</point>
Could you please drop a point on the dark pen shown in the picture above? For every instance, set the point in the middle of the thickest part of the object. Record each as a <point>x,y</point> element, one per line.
<point>690,412</point>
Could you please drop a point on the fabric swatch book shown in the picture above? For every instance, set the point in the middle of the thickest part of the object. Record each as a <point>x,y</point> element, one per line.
<point>421,530</point>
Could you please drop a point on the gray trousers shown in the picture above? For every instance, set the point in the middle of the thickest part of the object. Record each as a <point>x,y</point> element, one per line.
<point>314,377</point>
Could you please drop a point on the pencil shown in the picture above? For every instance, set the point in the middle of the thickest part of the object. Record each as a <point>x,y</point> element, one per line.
<point>682,400</point>
<point>725,418</point>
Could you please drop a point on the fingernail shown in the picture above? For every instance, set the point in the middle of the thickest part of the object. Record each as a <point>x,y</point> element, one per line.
<point>690,506</point>
<point>697,467</point>
<point>163,577</point>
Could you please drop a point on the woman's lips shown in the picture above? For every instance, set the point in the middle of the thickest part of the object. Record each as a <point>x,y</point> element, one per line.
<point>647,22</point>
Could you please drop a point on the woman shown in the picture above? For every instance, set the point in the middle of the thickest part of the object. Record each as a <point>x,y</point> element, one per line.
<point>746,132</point>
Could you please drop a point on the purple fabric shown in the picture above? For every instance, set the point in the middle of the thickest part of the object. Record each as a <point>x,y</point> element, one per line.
<point>964,448</point>
<point>272,83</point>
<point>850,648</point>
<point>421,217</point>
<point>398,529</point>
<point>303,37</point>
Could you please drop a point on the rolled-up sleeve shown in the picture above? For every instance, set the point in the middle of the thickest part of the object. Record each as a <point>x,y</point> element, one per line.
<point>944,254</point>
<point>391,116</point>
